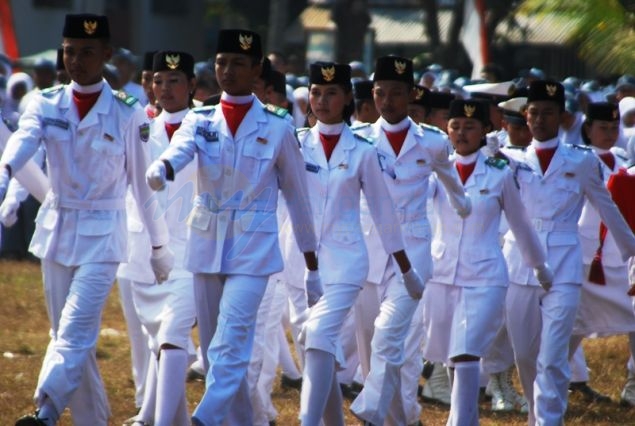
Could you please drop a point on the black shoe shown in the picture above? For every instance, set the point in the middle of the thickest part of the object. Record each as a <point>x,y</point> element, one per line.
<point>194,376</point>
<point>287,382</point>
<point>357,387</point>
<point>348,392</point>
<point>587,392</point>
<point>30,420</point>
<point>426,372</point>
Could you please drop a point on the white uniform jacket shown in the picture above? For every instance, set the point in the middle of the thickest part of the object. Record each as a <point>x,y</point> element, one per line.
<point>554,204</point>
<point>90,164</point>
<point>175,202</point>
<point>233,222</point>
<point>467,252</point>
<point>425,150</point>
<point>589,223</point>
<point>335,189</point>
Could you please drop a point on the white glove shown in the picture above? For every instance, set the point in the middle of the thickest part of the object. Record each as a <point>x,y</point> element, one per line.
<point>544,275</point>
<point>9,212</point>
<point>162,261</point>
<point>414,284</point>
<point>313,285</point>
<point>156,175</point>
<point>465,211</point>
<point>4,181</point>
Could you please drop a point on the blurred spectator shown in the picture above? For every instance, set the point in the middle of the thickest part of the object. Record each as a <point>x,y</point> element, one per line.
<point>18,85</point>
<point>43,77</point>
<point>126,64</point>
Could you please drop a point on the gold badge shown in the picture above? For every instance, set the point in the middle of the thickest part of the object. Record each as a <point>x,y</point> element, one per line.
<point>420,93</point>
<point>551,89</point>
<point>342,166</point>
<point>90,27</point>
<point>328,73</point>
<point>469,110</point>
<point>172,61</point>
<point>400,67</point>
<point>245,41</point>
<point>421,161</point>
<point>261,140</point>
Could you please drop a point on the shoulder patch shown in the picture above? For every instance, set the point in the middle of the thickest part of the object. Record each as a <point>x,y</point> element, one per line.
<point>124,97</point>
<point>360,126</point>
<point>435,129</point>
<point>580,147</point>
<point>207,109</point>
<point>363,139</point>
<point>276,110</point>
<point>498,163</point>
<point>51,91</point>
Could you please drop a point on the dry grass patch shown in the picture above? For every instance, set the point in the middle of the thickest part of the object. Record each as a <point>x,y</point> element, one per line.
<point>24,336</point>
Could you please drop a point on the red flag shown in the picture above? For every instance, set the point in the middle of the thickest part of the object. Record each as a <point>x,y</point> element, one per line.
<point>9,42</point>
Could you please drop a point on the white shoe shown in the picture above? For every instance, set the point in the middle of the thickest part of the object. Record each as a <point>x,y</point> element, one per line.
<point>499,400</point>
<point>437,387</point>
<point>509,392</point>
<point>627,397</point>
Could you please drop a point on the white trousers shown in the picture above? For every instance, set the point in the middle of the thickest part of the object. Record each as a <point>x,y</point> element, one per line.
<point>75,298</point>
<point>226,306</point>
<point>390,309</point>
<point>540,324</point>
<point>139,349</point>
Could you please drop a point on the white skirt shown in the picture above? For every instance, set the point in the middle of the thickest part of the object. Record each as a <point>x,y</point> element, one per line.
<point>167,312</point>
<point>605,310</point>
<point>460,320</point>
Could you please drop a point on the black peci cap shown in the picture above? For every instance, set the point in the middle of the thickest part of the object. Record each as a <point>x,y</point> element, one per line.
<point>603,111</point>
<point>239,41</point>
<point>440,100</point>
<point>279,82</point>
<point>545,90</point>
<point>363,90</point>
<point>148,59</point>
<point>422,95</point>
<point>330,73</point>
<point>394,68</point>
<point>86,26</point>
<point>172,60</point>
<point>470,108</point>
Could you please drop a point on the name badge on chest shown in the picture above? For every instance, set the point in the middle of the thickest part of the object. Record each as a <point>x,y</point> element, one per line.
<point>313,168</point>
<point>57,122</point>
<point>208,135</point>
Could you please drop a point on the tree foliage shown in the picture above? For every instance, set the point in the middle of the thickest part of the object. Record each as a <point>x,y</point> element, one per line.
<point>604,30</point>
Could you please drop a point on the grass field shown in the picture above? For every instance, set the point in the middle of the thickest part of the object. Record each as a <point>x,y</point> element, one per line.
<point>24,336</point>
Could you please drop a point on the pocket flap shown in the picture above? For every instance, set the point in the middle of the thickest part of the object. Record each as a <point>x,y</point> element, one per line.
<point>200,218</point>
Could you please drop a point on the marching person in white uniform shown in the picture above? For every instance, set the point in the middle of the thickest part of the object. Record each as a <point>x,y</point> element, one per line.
<point>339,166</point>
<point>604,308</point>
<point>96,146</point>
<point>464,303</point>
<point>408,153</point>
<point>166,312</point>
<point>554,180</point>
<point>245,154</point>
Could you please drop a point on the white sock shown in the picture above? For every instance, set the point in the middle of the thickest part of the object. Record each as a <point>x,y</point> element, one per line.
<point>170,385</point>
<point>464,402</point>
<point>146,413</point>
<point>287,364</point>
<point>319,375</point>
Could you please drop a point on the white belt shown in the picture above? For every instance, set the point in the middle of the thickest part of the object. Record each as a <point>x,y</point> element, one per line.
<point>216,206</point>
<point>552,225</point>
<point>55,202</point>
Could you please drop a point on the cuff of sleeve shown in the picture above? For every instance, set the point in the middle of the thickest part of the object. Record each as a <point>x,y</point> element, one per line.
<point>169,170</point>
